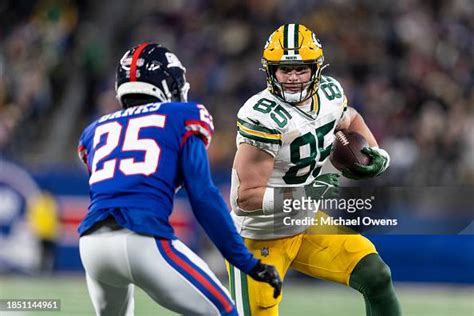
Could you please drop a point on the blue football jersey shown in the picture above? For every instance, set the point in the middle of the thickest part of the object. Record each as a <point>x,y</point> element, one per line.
<point>132,156</point>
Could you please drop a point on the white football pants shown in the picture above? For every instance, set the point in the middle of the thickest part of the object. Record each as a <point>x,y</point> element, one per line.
<point>168,271</point>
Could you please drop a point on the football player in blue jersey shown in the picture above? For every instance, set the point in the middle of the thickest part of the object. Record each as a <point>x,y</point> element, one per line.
<point>137,158</point>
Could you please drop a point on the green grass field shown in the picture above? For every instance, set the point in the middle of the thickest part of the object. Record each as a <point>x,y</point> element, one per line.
<point>306,298</point>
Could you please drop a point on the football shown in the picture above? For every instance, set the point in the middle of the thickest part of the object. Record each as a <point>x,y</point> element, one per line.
<point>346,150</point>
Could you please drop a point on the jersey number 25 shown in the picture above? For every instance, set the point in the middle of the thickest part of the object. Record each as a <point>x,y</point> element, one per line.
<point>131,142</point>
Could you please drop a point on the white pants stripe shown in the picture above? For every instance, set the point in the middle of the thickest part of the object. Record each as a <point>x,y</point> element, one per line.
<point>238,290</point>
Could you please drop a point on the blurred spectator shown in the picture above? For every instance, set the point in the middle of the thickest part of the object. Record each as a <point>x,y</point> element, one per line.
<point>44,222</point>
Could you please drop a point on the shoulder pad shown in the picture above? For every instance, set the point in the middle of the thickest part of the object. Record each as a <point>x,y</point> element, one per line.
<point>333,91</point>
<point>258,123</point>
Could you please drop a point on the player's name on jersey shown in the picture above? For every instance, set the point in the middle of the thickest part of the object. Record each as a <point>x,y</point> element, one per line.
<point>339,221</point>
<point>131,111</point>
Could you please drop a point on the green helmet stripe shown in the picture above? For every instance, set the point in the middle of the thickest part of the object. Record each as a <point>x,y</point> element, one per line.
<point>285,39</point>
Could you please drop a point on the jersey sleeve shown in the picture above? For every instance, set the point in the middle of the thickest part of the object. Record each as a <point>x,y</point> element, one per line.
<point>256,128</point>
<point>198,122</point>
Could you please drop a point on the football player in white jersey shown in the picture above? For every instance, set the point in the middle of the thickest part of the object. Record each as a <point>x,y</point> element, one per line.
<point>285,134</point>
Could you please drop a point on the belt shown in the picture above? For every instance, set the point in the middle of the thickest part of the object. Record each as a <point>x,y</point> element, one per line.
<point>109,223</point>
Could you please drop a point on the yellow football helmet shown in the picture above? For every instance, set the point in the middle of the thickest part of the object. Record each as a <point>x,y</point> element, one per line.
<point>293,44</point>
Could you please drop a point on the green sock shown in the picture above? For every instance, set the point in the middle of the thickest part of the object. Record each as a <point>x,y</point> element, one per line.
<point>372,278</point>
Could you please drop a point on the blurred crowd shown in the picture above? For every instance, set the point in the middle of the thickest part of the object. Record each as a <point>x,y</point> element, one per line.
<point>36,39</point>
<point>406,65</point>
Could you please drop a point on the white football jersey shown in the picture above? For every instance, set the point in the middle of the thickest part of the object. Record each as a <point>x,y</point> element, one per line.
<point>299,140</point>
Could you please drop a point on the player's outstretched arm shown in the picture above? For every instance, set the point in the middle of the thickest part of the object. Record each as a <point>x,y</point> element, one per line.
<point>209,207</point>
<point>213,215</point>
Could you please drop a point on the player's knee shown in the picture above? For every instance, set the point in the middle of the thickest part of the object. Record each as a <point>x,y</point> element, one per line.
<point>371,276</point>
<point>381,278</point>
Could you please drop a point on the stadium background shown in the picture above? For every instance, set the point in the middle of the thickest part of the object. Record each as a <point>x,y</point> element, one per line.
<point>407,66</point>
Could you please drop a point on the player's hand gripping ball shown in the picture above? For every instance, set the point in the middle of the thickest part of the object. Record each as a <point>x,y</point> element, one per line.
<point>352,156</point>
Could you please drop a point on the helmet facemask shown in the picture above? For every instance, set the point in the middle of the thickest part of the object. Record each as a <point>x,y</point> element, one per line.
<point>307,89</point>
<point>175,87</point>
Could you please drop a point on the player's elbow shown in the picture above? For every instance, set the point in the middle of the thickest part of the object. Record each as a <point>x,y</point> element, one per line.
<point>247,203</point>
<point>356,121</point>
<point>346,122</point>
<point>243,203</point>
<point>244,200</point>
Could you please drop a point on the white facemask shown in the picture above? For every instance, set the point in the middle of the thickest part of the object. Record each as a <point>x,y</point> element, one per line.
<point>296,96</point>
<point>293,97</point>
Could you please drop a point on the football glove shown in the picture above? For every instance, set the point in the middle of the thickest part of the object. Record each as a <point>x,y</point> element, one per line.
<point>324,186</point>
<point>268,274</point>
<point>379,162</point>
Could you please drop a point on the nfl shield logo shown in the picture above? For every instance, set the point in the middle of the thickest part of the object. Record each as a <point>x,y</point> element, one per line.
<point>265,251</point>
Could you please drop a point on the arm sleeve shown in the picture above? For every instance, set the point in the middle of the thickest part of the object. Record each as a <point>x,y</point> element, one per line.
<point>209,207</point>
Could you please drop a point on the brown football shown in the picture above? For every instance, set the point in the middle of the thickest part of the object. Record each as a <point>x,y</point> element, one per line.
<point>346,150</point>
